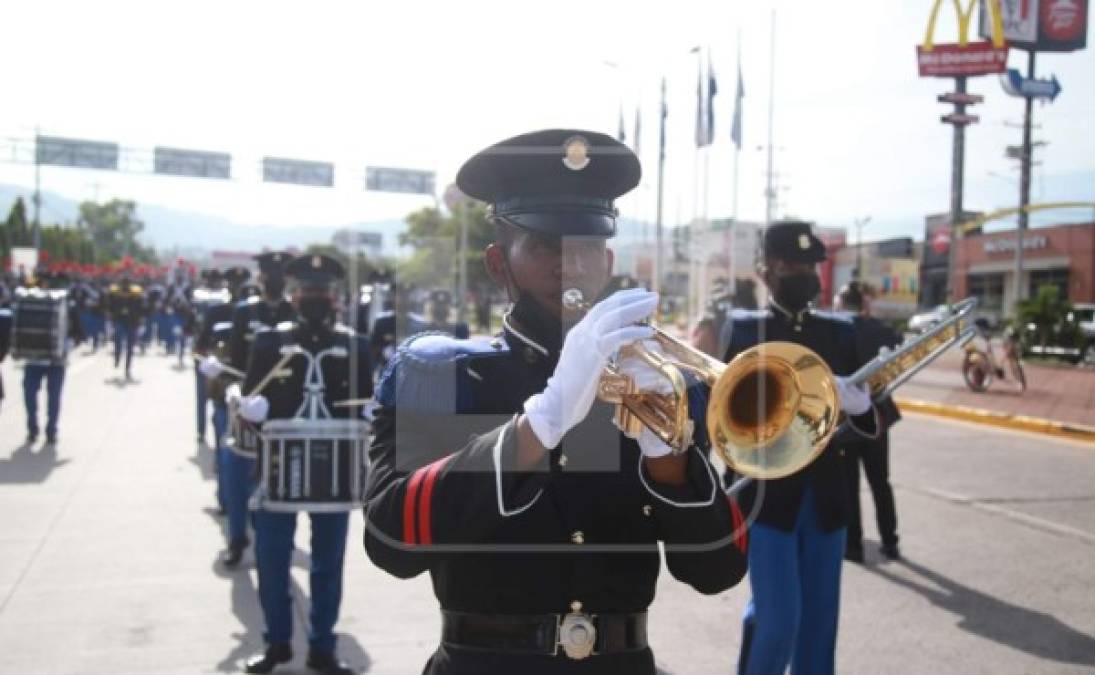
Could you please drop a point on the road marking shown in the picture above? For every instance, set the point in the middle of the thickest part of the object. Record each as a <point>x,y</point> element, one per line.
<point>989,428</point>
<point>1011,514</point>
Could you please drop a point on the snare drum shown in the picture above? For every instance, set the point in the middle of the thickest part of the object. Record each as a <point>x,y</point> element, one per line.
<point>313,465</point>
<point>243,437</point>
<point>39,322</point>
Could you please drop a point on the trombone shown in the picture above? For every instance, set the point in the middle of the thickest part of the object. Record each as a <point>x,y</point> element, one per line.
<point>772,410</point>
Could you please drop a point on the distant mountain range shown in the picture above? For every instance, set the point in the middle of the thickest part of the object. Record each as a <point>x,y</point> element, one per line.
<point>186,231</point>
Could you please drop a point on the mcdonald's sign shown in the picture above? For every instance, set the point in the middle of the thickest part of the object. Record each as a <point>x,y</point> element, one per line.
<point>964,58</point>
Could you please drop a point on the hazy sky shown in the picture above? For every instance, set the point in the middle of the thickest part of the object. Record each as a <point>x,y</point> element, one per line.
<point>425,84</point>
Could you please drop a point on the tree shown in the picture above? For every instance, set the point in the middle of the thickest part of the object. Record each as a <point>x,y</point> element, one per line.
<point>113,228</point>
<point>1046,315</point>
<point>435,240</point>
<point>16,229</point>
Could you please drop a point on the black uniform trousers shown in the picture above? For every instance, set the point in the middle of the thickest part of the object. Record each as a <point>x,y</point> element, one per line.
<point>875,457</point>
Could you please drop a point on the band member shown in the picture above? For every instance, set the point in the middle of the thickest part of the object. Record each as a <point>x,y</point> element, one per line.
<point>126,307</point>
<point>51,369</point>
<point>314,278</point>
<point>796,541</point>
<point>548,517</point>
<point>251,315</point>
<point>438,317</point>
<point>871,336</point>
<point>215,333</point>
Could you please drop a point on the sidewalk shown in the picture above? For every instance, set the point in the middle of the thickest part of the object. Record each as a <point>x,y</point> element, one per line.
<point>1058,392</point>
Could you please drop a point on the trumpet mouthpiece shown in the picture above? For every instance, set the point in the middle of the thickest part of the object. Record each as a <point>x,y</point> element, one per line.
<point>573,300</point>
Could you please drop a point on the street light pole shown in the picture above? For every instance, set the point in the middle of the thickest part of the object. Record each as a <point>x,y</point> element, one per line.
<point>859,223</point>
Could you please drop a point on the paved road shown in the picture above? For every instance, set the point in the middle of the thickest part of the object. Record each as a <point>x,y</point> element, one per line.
<point>107,555</point>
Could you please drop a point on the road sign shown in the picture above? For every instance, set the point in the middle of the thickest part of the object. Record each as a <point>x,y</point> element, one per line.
<point>959,119</point>
<point>300,172</point>
<point>1016,85</point>
<point>74,152</point>
<point>196,163</point>
<point>959,98</point>
<point>384,179</point>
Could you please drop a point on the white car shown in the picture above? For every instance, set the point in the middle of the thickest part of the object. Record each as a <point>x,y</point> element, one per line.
<point>927,320</point>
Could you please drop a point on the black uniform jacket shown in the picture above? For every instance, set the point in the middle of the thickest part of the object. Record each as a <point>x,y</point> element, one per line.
<point>250,316</point>
<point>213,315</point>
<point>871,335</point>
<point>345,378</point>
<point>833,338</point>
<point>443,497</point>
<point>126,303</point>
<point>5,341</point>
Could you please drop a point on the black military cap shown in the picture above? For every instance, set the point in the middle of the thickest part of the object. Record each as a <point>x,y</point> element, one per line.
<point>273,262</point>
<point>315,270</point>
<point>851,296</point>
<point>211,275</point>
<point>793,241</point>
<point>236,275</point>
<point>441,297</point>
<point>557,182</point>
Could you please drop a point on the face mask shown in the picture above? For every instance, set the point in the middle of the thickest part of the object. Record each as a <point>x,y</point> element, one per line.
<point>796,291</point>
<point>274,287</point>
<point>314,309</point>
<point>535,320</point>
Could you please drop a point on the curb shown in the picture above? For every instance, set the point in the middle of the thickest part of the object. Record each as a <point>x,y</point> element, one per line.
<point>1075,432</point>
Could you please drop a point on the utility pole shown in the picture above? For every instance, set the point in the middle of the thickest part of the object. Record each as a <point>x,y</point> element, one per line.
<point>655,283</point>
<point>859,223</point>
<point>770,192</point>
<point>37,194</point>
<point>1025,162</point>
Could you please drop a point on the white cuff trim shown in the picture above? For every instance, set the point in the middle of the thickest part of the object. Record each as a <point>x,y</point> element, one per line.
<point>684,505</point>
<point>497,455</point>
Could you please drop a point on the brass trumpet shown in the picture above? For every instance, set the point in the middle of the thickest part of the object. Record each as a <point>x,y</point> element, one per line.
<point>773,408</point>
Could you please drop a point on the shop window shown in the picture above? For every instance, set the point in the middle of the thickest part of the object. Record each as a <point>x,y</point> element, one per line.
<point>1055,277</point>
<point>989,291</point>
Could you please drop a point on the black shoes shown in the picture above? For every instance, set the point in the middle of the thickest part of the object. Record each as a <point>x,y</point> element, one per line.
<point>891,552</point>
<point>268,660</point>
<point>234,553</point>
<point>326,663</point>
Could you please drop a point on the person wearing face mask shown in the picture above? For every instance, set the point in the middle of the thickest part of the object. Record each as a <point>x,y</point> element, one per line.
<point>495,468</point>
<point>251,315</point>
<point>314,279</point>
<point>796,540</point>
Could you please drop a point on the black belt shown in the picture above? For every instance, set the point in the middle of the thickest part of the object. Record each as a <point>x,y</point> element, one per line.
<point>576,635</point>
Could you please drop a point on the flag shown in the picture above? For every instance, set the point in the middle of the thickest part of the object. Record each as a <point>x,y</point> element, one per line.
<point>705,105</point>
<point>638,129</point>
<point>735,127</point>
<point>712,91</point>
<point>621,135</point>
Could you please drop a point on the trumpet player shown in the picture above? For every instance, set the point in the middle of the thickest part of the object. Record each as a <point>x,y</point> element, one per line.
<point>797,533</point>
<point>495,468</point>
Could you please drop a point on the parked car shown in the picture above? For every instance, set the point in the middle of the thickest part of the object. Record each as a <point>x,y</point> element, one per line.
<point>929,319</point>
<point>1073,340</point>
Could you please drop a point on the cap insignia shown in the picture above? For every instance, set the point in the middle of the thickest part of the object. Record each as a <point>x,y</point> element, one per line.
<point>317,262</point>
<point>803,242</point>
<point>576,153</point>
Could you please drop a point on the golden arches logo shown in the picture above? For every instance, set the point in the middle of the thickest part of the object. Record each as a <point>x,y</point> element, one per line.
<point>965,18</point>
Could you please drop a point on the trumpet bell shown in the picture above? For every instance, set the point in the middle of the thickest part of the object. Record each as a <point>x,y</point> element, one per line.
<point>772,410</point>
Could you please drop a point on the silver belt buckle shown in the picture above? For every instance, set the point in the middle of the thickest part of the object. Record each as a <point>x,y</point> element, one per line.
<point>576,634</point>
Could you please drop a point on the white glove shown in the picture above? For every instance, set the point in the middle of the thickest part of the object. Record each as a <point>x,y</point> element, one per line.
<point>233,394</point>
<point>368,411</point>
<point>210,367</point>
<point>388,353</point>
<point>854,400</point>
<point>254,409</point>
<point>570,391</point>
<point>649,380</point>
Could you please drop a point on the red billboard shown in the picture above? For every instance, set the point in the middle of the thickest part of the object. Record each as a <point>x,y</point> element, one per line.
<point>952,60</point>
<point>1042,25</point>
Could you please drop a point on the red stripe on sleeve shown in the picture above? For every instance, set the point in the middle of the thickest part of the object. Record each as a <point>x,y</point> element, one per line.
<point>741,532</point>
<point>409,500</point>
<point>425,530</point>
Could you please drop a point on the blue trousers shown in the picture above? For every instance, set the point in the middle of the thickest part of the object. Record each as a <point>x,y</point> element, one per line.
<point>273,553</point>
<point>239,483</point>
<point>220,426</point>
<point>54,374</point>
<point>92,326</point>
<point>124,333</point>
<point>795,579</point>
<point>202,401</point>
